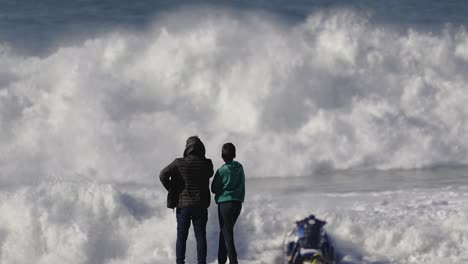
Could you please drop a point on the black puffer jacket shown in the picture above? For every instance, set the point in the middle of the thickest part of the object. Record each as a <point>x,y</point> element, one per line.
<point>187,179</point>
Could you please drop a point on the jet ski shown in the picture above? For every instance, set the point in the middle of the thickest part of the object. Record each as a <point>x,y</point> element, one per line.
<point>309,243</point>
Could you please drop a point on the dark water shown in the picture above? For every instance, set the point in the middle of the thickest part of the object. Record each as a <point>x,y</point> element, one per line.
<point>38,26</point>
<point>363,181</point>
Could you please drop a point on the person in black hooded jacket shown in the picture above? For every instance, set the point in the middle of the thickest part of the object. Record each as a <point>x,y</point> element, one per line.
<point>187,180</point>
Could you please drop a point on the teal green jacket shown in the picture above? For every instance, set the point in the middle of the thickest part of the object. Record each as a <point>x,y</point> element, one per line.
<point>229,183</point>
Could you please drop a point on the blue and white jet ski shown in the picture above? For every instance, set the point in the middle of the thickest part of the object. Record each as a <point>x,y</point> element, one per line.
<point>309,243</point>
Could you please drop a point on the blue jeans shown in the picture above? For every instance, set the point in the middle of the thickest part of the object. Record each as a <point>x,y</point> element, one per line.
<point>199,217</point>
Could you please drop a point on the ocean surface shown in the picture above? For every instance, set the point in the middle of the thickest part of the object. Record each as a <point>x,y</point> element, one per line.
<point>43,26</point>
<point>355,111</point>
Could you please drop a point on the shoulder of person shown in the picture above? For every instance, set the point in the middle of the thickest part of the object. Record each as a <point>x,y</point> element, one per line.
<point>223,167</point>
<point>238,164</point>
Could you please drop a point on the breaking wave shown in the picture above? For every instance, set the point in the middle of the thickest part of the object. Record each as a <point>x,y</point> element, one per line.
<point>332,92</point>
<point>87,223</point>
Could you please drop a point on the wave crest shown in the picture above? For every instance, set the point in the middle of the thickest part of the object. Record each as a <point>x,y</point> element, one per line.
<point>333,92</point>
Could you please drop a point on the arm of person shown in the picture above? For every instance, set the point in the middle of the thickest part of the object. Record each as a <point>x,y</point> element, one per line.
<point>167,173</point>
<point>243,176</point>
<point>243,181</point>
<point>216,184</point>
<point>210,172</point>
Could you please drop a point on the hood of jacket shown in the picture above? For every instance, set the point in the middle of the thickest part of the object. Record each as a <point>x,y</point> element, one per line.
<point>232,165</point>
<point>194,146</point>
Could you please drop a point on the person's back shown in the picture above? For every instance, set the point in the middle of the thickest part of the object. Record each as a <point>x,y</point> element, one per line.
<point>187,181</point>
<point>231,185</point>
<point>229,188</point>
<point>195,172</point>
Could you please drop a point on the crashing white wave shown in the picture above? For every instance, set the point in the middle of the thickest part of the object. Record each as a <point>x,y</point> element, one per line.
<point>85,223</point>
<point>332,92</point>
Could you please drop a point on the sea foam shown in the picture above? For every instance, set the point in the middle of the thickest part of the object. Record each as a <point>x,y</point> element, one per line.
<point>332,92</point>
<point>85,223</point>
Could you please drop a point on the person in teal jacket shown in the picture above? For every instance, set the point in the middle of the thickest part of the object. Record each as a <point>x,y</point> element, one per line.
<point>229,188</point>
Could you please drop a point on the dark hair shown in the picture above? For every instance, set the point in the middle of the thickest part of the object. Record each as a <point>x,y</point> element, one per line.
<point>228,152</point>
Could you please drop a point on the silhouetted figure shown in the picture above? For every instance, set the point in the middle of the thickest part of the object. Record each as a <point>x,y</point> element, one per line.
<point>187,180</point>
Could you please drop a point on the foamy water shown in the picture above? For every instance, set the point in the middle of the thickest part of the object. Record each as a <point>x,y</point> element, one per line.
<point>100,223</point>
<point>331,93</point>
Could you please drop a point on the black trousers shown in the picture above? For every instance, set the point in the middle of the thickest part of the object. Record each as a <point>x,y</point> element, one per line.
<point>228,212</point>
